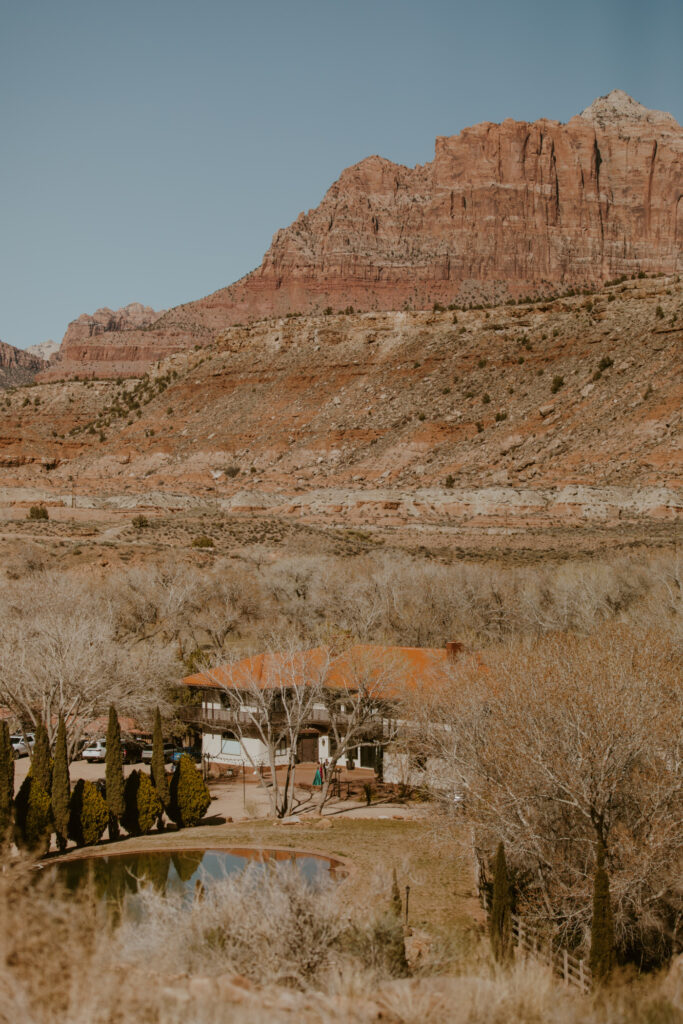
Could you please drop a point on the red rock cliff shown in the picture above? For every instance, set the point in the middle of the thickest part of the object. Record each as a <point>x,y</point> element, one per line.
<point>502,210</point>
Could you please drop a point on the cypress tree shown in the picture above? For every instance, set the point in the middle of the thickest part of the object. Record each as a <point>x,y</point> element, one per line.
<point>61,786</point>
<point>500,922</point>
<point>396,901</point>
<point>41,762</point>
<point>143,806</point>
<point>88,813</point>
<point>602,926</point>
<point>189,794</point>
<point>114,774</point>
<point>32,817</point>
<point>157,769</point>
<point>6,781</point>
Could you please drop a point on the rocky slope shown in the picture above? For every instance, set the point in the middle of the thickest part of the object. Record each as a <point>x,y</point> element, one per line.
<point>503,210</point>
<point>17,367</point>
<point>530,417</point>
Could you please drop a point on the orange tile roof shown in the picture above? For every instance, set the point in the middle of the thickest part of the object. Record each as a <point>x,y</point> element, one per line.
<point>391,669</point>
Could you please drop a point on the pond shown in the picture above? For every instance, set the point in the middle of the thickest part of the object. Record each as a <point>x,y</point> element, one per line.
<point>180,872</point>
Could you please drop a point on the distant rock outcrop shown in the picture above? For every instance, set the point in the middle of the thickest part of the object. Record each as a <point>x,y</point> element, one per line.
<point>44,349</point>
<point>503,210</point>
<point>17,367</point>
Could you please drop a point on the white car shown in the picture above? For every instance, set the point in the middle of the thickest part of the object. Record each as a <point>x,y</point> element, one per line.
<point>22,744</point>
<point>95,751</point>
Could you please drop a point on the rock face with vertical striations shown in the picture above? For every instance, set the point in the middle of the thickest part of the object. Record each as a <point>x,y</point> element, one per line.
<point>502,211</point>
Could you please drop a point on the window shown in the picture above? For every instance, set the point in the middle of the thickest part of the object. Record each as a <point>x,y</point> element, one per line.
<point>230,744</point>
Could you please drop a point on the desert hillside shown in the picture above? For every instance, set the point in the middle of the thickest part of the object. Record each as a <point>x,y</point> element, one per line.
<point>427,425</point>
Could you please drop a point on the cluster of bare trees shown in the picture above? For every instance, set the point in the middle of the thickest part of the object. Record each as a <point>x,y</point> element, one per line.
<point>557,746</point>
<point>66,650</point>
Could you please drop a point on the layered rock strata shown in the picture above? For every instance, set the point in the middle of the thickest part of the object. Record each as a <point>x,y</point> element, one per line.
<point>503,211</point>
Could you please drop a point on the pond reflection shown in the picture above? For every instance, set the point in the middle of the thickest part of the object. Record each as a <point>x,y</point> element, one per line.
<point>115,877</point>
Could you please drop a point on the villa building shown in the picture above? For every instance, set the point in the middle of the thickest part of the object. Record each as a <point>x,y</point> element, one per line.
<point>243,709</point>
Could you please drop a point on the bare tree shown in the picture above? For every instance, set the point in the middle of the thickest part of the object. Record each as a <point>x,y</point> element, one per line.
<point>60,655</point>
<point>271,698</point>
<point>559,745</point>
<point>361,694</point>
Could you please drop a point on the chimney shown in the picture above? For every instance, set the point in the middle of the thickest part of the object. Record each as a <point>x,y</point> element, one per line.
<point>454,648</point>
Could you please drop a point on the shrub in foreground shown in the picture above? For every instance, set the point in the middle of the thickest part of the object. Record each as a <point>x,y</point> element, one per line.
<point>88,814</point>
<point>142,804</point>
<point>32,817</point>
<point>6,781</point>
<point>189,794</point>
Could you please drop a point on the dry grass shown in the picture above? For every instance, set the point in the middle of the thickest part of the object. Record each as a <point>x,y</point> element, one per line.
<point>280,960</point>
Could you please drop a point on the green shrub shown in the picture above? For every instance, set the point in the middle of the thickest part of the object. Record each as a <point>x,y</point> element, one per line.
<point>157,769</point>
<point>500,922</point>
<point>189,795</point>
<point>37,512</point>
<point>32,817</point>
<point>41,761</point>
<point>486,398</point>
<point>6,781</point>
<point>557,383</point>
<point>88,814</point>
<point>605,363</point>
<point>659,313</point>
<point>140,522</point>
<point>232,471</point>
<point>114,780</point>
<point>202,542</point>
<point>61,787</point>
<point>602,926</point>
<point>142,804</point>
<point>501,415</point>
<point>449,482</point>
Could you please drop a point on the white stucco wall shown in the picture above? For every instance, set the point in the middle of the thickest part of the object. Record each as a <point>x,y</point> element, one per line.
<point>250,751</point>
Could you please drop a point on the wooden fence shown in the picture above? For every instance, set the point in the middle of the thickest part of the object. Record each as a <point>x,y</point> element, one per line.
<point>531,943</point>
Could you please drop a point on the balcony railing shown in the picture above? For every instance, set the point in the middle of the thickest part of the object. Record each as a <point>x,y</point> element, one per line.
<point>227,718</point>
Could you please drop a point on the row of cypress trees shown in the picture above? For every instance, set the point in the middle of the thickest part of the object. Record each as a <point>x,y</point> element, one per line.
<point>602,925</point>
<point>45,802</point>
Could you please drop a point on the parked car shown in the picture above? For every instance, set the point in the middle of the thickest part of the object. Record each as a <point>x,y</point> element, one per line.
<point>131,752</point>
<point>147,753</point>
<point>95,751</point>
<point>22,743</point>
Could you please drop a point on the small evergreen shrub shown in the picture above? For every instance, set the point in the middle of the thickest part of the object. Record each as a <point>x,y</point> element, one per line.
<point>6,781</point>
<point>449,482</point>
<point>38,512</point>
<point>114,779</point>
<point>189,795</point>
<point>659,313</point>
<point>88,814</point>
<point>557,383</point>
<point>500,922</point>
<point>202,542</point>
<point>142,804</point>
<point>32,817</point>
<point>139,522</point>
<point>61,787</point>
<point>602,926</point>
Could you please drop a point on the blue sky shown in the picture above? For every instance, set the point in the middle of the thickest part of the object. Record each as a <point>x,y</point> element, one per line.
<point>151,149</point>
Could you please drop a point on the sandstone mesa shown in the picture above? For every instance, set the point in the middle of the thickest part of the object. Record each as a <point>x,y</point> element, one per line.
<point>502,211</point>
